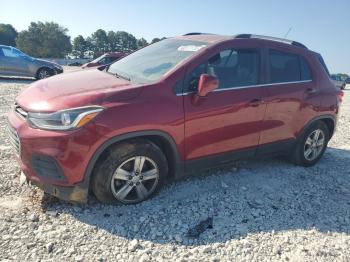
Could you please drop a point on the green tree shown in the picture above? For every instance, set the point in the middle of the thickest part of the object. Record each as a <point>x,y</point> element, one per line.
<point>154,40</point>
<point>141,43</point>
<point>120,41</point>
<point>8,35</point>
<point>99,42</point>
<point>80,46</point>
<point>113,42</point>
<point>127,42</point>
<point>47,39</point>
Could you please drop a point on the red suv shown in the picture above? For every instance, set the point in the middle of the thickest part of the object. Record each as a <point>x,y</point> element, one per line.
<point>105,59</point>
<point>198,100</point>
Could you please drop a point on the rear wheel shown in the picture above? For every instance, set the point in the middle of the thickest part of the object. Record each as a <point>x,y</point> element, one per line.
<point>311,145</point>
<point>43,73</point>
<point>132,172</point>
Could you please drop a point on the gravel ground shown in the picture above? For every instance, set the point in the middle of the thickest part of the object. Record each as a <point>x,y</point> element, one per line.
<point>259,210</point>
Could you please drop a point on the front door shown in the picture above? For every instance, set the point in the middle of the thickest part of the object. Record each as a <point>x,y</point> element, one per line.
<point>229,118</point>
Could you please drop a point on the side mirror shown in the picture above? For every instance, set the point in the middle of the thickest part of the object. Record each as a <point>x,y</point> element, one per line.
<point>206,84</point>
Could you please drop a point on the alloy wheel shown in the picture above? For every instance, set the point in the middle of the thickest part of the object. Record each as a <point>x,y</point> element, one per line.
<point>44,74</point>
<point>135,179</point>
<point>314,145</point>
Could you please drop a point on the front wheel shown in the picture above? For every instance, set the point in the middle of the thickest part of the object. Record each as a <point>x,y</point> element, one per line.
<point>132,172</point>
<point>43,73</point>
<point>311,145</point>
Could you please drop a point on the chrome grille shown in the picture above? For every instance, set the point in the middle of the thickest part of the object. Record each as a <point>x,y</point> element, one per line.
<point>14,139</point>
<point>20,111</point>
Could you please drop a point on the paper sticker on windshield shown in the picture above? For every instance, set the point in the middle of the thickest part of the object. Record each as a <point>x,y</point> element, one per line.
<point>190,48</point>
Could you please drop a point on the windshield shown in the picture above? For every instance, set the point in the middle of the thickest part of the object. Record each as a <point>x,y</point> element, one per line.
<point>153,62</point>
<point>98,59</point>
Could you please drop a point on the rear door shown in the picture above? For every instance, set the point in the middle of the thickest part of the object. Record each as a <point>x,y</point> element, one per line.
<point>291,97</point>
<point>229,118</point>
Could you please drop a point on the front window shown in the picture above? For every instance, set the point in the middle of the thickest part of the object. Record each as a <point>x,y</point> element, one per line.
<point>233,68</point>
<point>8,52</point>
<point>155,61</point>
<point>13,52</point>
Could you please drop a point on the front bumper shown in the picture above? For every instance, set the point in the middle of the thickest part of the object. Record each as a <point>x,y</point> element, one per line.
<point>54,161</point>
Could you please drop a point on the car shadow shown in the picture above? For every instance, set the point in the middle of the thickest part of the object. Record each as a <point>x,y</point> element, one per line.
<point>16,80</point>
<point>255,196</point>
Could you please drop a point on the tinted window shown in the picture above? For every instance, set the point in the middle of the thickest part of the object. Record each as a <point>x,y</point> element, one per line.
<point>305,69</point>
<point>111,59</point>
<point>233,68</point>
<point>9,53</point>
<point>323,63</point>
<point>284,67</point>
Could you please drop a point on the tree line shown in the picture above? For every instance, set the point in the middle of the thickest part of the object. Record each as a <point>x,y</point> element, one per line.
<point>49,39</point>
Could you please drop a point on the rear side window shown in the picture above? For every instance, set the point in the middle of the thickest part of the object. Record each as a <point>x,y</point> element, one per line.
<point>287,67</point>
<point>284,67</point>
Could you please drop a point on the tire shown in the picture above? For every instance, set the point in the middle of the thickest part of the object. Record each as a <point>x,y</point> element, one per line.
<point>343,87</point>
<point>43,73</point>
<point>301,154</point>
<point>117,180</point>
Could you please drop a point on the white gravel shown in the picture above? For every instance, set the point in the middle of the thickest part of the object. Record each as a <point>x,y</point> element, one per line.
<point>258,210</point>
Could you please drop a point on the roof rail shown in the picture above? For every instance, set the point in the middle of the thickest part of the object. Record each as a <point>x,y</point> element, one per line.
<point>282,40</point>
<point>194,33</point>
<point>197,33</point>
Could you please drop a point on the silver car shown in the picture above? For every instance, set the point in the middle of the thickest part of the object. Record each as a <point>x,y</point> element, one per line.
<point>338,81</point>
<point>13,62</point>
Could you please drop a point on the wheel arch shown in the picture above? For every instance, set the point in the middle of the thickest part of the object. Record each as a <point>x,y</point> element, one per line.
<point>42,67</point>
<point>162,139</point>
<point>329,120</point>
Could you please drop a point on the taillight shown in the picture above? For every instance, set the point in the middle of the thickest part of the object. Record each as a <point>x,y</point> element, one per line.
<point>340,95</point>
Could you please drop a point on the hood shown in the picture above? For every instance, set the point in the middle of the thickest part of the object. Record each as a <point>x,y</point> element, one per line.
<point>89,65</point>
<point>75,89</point>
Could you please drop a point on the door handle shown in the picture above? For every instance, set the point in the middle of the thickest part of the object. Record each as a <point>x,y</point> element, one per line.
<point>255,102</point>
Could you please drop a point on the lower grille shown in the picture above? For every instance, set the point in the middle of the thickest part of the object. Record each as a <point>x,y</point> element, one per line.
<point>46,167</point>
<point>14,139</point>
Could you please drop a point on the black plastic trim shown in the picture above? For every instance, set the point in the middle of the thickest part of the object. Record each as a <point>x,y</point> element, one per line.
<point>47,167</point>
<point>104,146</point>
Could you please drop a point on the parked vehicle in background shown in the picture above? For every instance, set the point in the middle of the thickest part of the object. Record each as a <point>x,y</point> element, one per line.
<point>14,62</point>
<point>105,59</point>
<point>347,80</point>
<point>193,101</point>
<point>75,64</point>
<point>338,81</point>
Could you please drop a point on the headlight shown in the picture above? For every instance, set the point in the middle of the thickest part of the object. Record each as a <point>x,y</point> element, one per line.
<point>64,120</point>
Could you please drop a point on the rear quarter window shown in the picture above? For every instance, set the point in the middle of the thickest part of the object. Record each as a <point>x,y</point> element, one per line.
<point>305,69</point>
